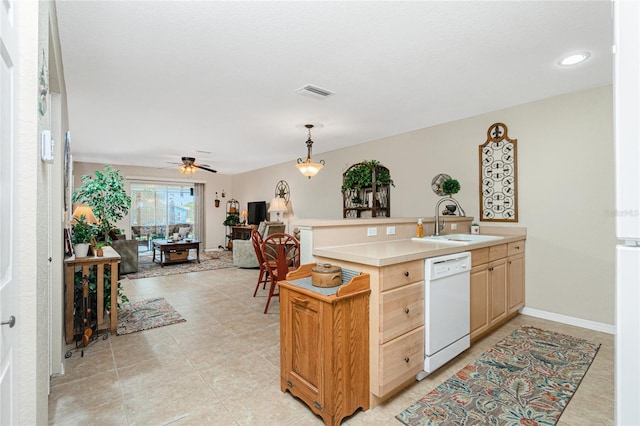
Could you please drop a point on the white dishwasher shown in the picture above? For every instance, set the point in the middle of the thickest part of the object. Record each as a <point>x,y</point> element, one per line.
<point>446,309</point>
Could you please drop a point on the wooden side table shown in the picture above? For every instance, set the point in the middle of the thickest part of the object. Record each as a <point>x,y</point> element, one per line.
<point>111,257</point>
<point>241,232</point>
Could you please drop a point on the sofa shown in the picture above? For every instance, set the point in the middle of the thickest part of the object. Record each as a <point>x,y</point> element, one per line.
<point>244,255</point>
<point>128,251</point>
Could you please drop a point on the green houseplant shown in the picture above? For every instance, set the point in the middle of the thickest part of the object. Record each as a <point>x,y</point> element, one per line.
<point>231,220</point>
<point>105,194</point>
<point>360,175</point>
<point>450,187</point>
<point>81,236</point>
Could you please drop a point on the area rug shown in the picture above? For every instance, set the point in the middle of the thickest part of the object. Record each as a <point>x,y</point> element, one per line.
<point>208,261</point>
<point>146,314</point>
<point>526,379</point>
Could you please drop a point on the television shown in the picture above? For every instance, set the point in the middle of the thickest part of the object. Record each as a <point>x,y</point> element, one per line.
<point>257,212</point>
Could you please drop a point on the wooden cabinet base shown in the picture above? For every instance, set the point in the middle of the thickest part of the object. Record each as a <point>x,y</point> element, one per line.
<point>323,347</point>
<point>329,419</point>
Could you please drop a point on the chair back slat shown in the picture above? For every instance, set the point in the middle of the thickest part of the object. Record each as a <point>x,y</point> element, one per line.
<point>281,253</point>
<point>256,241</point>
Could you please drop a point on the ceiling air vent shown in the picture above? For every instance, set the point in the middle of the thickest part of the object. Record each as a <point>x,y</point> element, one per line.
<point>314,92</point>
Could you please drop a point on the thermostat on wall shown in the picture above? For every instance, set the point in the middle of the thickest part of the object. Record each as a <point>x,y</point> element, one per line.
<point>46,146</point>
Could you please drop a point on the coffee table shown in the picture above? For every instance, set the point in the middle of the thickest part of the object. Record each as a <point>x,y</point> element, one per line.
<point>175,251</point>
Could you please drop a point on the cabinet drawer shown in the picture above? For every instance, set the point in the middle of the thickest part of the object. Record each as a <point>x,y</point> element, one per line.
<point>479,256</point>
<point>400,360</point>
<point>497,252</point>
<point>515,247</point>
<point>401,310</point>
<point>401,274</point>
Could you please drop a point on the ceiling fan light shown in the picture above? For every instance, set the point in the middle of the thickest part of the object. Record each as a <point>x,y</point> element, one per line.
<point>187,170</point>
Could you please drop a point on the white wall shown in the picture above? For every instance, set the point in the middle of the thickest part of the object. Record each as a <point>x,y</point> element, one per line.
<point>215,231</point>
<point>565,182</point>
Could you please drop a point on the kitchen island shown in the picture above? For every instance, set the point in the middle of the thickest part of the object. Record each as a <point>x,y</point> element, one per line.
<point>396,270</point>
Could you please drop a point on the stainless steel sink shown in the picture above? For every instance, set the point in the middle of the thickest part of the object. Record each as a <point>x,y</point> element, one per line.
<point>460,239</point>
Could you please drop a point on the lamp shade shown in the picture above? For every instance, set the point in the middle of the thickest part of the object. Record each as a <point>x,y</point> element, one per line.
<point>86,211</point>
<point>278,205</point>
<point>309,169</point>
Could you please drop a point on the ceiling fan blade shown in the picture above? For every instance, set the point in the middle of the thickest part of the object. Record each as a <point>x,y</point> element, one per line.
<point>205,168</point>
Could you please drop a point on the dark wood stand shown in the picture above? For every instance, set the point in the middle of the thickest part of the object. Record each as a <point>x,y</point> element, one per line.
<point>175,252</point>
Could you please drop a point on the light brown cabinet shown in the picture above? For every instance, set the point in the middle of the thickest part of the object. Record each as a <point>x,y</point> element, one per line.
<point>497,286</point>
<point>324,341</point>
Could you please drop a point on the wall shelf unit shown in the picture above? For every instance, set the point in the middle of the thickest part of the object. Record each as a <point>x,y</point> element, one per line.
<point>370,199</point>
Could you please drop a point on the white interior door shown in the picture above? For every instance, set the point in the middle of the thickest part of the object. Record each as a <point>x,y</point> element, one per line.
<point>8,291</point>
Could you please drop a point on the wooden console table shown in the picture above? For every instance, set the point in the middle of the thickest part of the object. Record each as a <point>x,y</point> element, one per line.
<point>111,257</point>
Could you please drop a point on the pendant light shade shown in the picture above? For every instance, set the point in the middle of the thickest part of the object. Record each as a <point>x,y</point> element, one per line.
<point>306,167</point>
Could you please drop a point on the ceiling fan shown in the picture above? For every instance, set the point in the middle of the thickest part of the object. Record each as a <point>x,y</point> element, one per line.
<point>189,166</point>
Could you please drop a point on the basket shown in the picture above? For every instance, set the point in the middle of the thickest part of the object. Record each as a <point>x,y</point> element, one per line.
<point>178,255</point>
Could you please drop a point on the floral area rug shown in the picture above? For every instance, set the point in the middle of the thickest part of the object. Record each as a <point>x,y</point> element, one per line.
<point>208,261</point>
<point>526,379</point>
<point>146,314</point>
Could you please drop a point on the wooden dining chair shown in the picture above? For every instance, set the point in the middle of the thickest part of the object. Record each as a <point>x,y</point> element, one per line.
<point>263,278</point>
<point>281,254</point>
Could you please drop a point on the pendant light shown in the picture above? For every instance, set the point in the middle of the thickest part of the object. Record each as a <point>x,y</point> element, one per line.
<point>306,167</point>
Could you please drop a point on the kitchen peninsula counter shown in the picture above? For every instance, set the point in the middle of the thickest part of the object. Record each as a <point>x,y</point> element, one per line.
<point>386,253</point>
<point>397,274</point>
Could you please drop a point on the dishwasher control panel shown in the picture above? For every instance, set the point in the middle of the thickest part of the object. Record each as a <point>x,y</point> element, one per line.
<point>444,266</point>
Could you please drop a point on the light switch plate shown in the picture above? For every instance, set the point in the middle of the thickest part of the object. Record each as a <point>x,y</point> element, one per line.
<point>454,226</point>
<point>46,146</point>
<point>391,230</point>
<point>372,232</point>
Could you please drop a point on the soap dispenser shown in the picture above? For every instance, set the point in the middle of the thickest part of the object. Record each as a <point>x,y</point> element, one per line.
<point>420,229</point>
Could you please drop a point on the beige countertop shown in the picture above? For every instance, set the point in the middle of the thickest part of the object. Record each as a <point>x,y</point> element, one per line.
<point>386,253</point>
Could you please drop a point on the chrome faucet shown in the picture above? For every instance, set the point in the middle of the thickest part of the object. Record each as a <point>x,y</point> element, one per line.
<point>438,226</point>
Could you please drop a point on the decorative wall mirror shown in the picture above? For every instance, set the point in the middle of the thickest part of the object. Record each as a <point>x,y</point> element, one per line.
<point>436,183</point>
<point>498,176</point>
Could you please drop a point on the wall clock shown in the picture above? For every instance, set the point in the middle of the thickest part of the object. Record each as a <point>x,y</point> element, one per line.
<point>498,176</point>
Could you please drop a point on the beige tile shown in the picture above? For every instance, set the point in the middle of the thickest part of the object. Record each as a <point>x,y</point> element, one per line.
<point>108,414</point>
<point>222,366</point>
<point>170,400</point>
<point>144,345</point>
<point>69,399</point>
<point>97,359</point>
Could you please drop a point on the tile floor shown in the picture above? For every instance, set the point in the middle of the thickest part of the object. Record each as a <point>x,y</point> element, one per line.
<point>221,366</point>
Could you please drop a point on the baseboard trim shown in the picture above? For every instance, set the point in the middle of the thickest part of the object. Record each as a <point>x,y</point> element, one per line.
<point>565,319</point>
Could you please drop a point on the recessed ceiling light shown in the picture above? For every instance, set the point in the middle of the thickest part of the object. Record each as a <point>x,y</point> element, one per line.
<point>574,59</point>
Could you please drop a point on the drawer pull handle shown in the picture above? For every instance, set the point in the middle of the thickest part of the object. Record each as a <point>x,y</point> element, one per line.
<point>406,359</point>
<point>406,273</point>
<point>517,247</point>
<point>289,383</point>
<point>406,310</point>
<point>301,300</point>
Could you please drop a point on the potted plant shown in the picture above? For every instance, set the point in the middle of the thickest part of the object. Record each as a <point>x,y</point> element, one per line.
<point>99,251</point>
<point>81,237</point>
<point>475,228</point>
<point>360,175</point>
<point>105,194</point>
<point>450,187</point>
<point>231,220</point>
